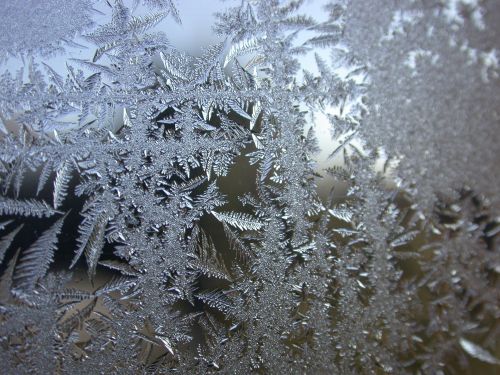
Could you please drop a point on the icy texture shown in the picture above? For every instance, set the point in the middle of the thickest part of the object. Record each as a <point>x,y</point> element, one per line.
<point>165,212</point>
<point>434,94</point>
<point>32,26</point>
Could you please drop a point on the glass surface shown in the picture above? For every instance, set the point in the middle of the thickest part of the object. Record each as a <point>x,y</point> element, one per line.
<point>251,186</point>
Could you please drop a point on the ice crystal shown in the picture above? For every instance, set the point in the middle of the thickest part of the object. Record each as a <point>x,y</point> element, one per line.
<point>434,75</point>
<point>170,211</point>
<point>32,26</point>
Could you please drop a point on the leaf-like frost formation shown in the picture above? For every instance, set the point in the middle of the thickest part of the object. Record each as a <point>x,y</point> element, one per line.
<point>35,261</point>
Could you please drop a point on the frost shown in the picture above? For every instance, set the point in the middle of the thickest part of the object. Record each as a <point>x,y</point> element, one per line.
<point>477,352</point>
<point>31,26</point>
<point>317,182</point>
<point>401,20</point>
<point>413,115</point>
<point>411,61</point>
<point>454,9</point>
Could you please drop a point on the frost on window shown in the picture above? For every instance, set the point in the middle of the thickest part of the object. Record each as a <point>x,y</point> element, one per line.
<point>242,187</point>
<point>29,27</point>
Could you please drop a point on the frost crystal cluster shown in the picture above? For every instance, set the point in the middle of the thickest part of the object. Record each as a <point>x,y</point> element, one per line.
<point>313,192</point>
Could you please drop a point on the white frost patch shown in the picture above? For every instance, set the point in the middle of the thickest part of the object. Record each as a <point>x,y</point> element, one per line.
<point>454,9</point>
<point>400,20</point>
<point>487,60</point>
<point>411,60</point>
